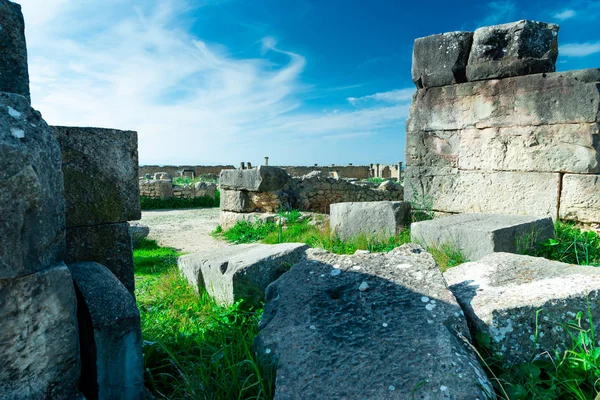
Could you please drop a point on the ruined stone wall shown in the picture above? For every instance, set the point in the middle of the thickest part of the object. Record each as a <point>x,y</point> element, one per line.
<point>164,189</point>
<point>342,171</point>
<point>174,170</point>
<point>504,135</point>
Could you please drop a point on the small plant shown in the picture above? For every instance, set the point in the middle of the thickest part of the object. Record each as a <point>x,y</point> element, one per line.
<point>376,180</point>
<point>249,232</point>
<point>421,204</point>
<point>446,256</point>
<point>147,203</point>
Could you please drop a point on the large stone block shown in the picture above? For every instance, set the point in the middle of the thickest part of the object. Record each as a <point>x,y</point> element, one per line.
<point>38,336</point>
<point>227,219</point>
<point>371,218</point>
<point>451,190</point>
<point>109,245</point>
<point>261,179</point>
<point>502,293</point>
<point>518,48</point>
<point>440,60</point>
<point>477,235</point>
<point>31,201</point>
<point>368,326</point>
<point>100,168</point>
<point>236,201</point>
<point>541,99</point>
<point>14,75</point>
<point>580,198</point>
<point>240,272</point>
<point>433,149</point>
<point>110,334</point>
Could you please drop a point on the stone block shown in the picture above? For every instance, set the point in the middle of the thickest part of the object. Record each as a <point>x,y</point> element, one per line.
<point>38,336</point>
<point>371,218</point>
<point>236,201</point>
<point>518,48</point>
<point>440,60</point>
<point>433,149</point>
<point>109,245</point>
<point>260,179</point>
<point>227,219</point>
<point>138,232</point>
<point>540,99</point>
<point>240,272</point>
<point>110,334</point>
<point>100,168</point>
<point>368,326</point>
<point>477,235</point>
<point>14,75</point>
<point>205,189</point>
<point>454,191</point>
<point>31,202</point>
<point>502,293</point>
<point>580,198</point>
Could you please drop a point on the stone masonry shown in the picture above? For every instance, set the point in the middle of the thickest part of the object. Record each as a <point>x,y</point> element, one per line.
<point>510,136</point>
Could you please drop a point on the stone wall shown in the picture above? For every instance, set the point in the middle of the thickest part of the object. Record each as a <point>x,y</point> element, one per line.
<point>337,171</point>
<point>164,189</point>
<point>175,170</point>
<point>503,135</point>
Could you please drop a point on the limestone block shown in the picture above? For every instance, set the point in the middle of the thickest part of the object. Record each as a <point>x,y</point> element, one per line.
<point>380,323</point>
<point>14,75</point>
<point>111,337</point>
<point>32,206</point>
<point>580,198</point>
<point>518,48</point>
<point>440,60</point>
<point>240,272</point>
<point>108,244</point>
<point>541,99</point>
<point>261,179</point>
<point>433,149</point>
<point>454,191</point>
<point>228,219</point>
<point>236,201</point>
<point>205,189</point>
<point>477,235</point>
<point>164,189</point>
<point>371,218</point>
<point>501,294</point>
<point>137,232</point>
<point>100,168</point>
<point>39,339</point>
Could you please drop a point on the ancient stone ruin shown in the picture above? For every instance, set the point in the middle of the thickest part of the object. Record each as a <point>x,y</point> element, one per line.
<point>70,324</point>
<point>161,186</point>
<point>493,129</point>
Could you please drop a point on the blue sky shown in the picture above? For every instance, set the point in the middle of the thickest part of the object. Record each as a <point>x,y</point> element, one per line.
<point>221,81</point>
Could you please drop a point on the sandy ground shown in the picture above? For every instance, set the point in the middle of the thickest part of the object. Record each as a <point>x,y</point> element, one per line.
<point>186,230</point>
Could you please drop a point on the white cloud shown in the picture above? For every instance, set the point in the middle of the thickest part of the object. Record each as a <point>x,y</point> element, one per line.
<point>566,14</point>
<point>579,49</point>
<point>499,12</point>
<point>119,65</point>
<point>393,96</point>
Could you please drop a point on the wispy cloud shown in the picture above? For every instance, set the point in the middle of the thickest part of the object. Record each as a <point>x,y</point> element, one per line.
<point>394,96</point>
<point>579,49</point>
<point>498,12</point>
<point>137,67</point>
<point>564,15</point>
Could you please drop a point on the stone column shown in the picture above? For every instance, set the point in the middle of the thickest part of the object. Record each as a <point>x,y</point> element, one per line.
<point>266,160</point>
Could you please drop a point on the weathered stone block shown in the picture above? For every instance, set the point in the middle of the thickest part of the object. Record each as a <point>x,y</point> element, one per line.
<point>541,99</point>
<point>580,198</point>
<point>240,272</point>
<point>38,336</point>
<point>440,60</point>
<point>100,168</point>
<point>477,235</point>
<point>518,48</point>
<point>371,218</point>
<point>261,179</point>
<point>109,245</point>
<point>454,191</point>
<point>138,232</point>
<point>14,75</point>
<point>433,149</point>
<point>502,293</point>
<point>110,334</point>
<point>228,219</point>
<point>31,201</point>
<point>236,201</point>
<point>383,325</point>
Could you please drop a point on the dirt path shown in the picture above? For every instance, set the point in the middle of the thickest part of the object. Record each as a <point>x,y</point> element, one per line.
<point>186,230</point>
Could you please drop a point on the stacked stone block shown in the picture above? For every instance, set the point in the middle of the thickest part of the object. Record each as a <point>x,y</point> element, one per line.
<point>513,137</point>
<point>164,189</point>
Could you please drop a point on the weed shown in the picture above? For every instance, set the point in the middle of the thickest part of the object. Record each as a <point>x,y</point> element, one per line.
<point>375,180</point>
<point>446,256</point>
<point>421,205</point>
<point>249,232</point>
<point>148,203</point>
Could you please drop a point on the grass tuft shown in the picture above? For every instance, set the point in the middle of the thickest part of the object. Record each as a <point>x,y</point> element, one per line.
<point>147,203</point>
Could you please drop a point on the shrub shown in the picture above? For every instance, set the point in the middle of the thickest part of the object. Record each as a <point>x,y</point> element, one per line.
<point>148,203</point>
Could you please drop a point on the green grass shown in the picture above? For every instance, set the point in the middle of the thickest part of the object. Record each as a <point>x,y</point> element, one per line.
<point>194,348</point>
<point>375,180</point>
<point>147,203</point>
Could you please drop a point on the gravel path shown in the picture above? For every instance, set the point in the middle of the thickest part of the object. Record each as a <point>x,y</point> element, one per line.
<point>186,230</point>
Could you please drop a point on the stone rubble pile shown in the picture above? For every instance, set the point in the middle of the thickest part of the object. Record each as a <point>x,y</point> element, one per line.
<point>161,187</point>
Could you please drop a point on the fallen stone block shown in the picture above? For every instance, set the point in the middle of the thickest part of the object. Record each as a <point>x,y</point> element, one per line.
<point>227,219</point>
<point>240,272</point>
<point>138,232</point>
<point>38,336</point>
<point>371,218</point>
<point>236,201</point>
<point>368,326</point>
<point>518,48</point>
<point>100,168</point>
<point>502,293</point>
<point>477,235</point>
<point>109,245</point>
<point>205,189</point>
<point>260,179</point>
<point>14,75</point>
<point>110,335</point>
<point>441,60</point>
<point>580,198</point>
<point>31,202</point>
